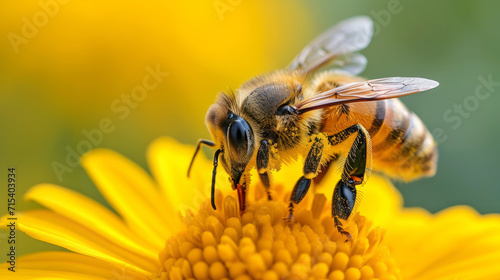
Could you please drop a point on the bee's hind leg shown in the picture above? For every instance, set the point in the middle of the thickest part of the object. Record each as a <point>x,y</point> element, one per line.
<point>356,169</point>
<point>344,198</point>
<point>262,164</point>
<point>311,165</point>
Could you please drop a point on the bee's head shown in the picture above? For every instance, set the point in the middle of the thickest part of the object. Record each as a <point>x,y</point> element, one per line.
<point>234,136</point>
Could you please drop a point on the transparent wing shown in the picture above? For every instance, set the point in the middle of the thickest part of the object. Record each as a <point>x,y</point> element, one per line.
<point>371,90</point>
<point>352,63</point>
<point>346,37</point>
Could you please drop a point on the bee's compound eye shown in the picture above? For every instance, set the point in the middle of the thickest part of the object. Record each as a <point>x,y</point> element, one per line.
<point>239,137</point>
<point>238,134</point>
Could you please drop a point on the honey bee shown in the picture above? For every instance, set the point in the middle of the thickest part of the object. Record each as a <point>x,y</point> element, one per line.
<point>322,116</point>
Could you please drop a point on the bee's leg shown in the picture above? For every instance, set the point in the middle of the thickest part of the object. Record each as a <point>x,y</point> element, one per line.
<point>214,174</point>
<point>344,198</point>
<point>262,163</point>
<point>356,168</point>
<point>311,165</point>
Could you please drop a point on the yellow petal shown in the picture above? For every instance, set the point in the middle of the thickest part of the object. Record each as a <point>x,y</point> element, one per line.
<point>455,242</point>
<point>67,264</point>
<point>56,229</point>
<point>484,266</point>
<point>169,162</point>
<point>93,216</point>
<point>132,193</point>
<point>40,274</point>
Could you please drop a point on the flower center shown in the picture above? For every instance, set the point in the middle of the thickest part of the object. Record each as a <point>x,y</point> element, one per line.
<point>262,245</point>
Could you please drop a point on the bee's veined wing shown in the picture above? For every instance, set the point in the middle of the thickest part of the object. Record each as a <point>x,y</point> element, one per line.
<point>371,90</point>
<point>345,38</point>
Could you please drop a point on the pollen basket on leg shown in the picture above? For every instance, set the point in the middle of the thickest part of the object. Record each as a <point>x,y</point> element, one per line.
<point>260,244</point>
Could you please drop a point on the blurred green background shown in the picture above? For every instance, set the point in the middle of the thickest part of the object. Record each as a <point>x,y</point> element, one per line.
<point>66,67</point>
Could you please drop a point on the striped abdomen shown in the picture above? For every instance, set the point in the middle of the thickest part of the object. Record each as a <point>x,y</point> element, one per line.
<point>402,146</point>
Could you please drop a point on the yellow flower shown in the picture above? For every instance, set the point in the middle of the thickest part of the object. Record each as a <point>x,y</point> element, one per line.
<point>166,229</point>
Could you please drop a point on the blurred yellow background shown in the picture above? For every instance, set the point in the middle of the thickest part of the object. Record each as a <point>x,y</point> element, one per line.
<point>76,75</point>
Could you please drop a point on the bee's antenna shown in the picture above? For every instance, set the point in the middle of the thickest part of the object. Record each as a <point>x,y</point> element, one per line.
<point>200,142</point>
